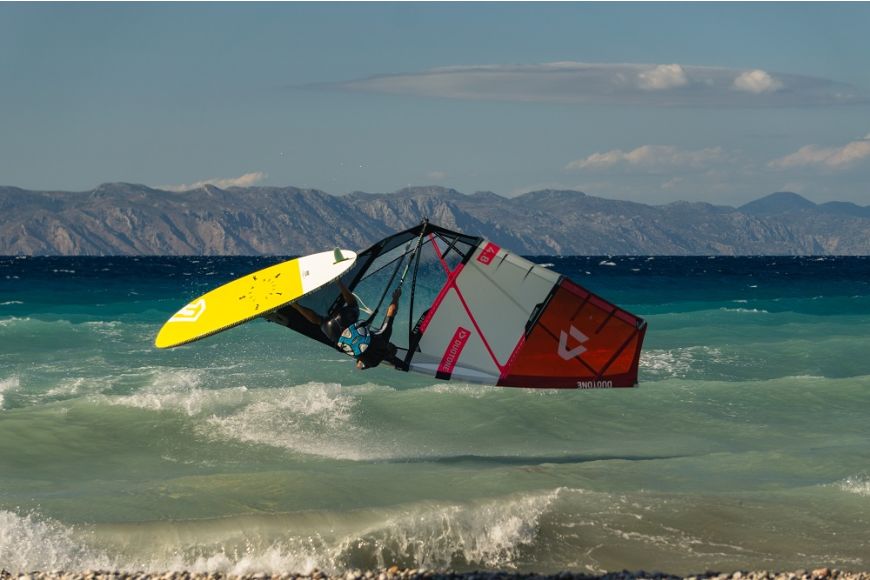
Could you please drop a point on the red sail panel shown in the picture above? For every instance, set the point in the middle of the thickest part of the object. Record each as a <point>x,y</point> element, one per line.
<point>578,341</point>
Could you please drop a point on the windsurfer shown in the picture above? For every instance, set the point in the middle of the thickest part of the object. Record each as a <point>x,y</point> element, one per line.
<point>370,348</point>
<point>380,348</point>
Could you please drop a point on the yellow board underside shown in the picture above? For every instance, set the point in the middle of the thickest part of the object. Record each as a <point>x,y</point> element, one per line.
<point>232,304</point>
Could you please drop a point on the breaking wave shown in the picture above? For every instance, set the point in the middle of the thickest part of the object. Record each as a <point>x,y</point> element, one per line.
<point>492,533</point>
<point>8,385</point>
<point>857,484</point>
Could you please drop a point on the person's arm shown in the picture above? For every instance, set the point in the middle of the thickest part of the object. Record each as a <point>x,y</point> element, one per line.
<point>394,305</point>
<point>309,314</point>
<point>348,296</point>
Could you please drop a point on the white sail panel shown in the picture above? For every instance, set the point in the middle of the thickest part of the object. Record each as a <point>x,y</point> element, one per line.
<point>491,297</point>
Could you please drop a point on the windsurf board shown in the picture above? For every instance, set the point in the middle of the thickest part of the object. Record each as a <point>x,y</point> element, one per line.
<point>252,296</point>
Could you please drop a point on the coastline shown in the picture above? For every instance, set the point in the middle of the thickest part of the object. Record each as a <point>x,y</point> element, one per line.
<point>395,573</point>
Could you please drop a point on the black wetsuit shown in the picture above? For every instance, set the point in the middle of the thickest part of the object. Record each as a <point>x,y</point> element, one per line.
<point>333,326</point>
<point>380,348</point>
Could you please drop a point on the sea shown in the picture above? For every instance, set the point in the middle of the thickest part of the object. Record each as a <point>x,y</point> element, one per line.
<point>745,446</point>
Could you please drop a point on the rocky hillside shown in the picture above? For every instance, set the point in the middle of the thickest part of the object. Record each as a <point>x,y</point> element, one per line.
<point>127,219</point>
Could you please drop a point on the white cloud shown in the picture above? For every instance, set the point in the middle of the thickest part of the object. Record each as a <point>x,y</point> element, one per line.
<point>649,157</point>
<point>757,82</point>
<point>436,175</point>
<point>663,77</point>
<point>672,183</point>
<point>245,180</point>
<point>612,83</point>
<point>834,158</point>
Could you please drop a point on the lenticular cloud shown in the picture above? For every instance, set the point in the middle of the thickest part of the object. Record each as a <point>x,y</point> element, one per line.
<point>613,83</point>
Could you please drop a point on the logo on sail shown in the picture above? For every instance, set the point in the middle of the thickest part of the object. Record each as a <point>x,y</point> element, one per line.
<point>563,343</point>
<point>189,313</point>
<point>454,349</point>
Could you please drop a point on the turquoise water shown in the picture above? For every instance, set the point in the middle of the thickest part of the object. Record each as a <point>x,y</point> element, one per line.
<point>747,444</point>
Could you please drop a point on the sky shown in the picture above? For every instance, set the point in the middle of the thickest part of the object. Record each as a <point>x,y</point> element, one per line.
<point>649,102</point>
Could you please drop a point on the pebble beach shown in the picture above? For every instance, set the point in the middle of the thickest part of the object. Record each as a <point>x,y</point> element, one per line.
<point>395,573</point>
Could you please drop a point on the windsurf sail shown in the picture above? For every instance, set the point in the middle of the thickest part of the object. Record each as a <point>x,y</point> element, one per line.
<point>474,311</point>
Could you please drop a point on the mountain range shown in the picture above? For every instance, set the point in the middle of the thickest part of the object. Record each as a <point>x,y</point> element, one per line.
<point>130,219</point>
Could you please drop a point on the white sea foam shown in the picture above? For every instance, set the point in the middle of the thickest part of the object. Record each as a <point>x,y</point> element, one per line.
<point>671,363</point>
<point>681,362</point>
<point>464,389</point>
<point>857,484</point>
<point>483,533</point>
<point>109,328</point>
<point>475,391</point>
<point>745,310</point>
<point>30,543</point>
<point>11,302</point>
<point>315,418</point>
<point>8,385</point>
<point>488,533</point>
<point>180,390</point>
<point>68,387</point>
<point>80,386</point>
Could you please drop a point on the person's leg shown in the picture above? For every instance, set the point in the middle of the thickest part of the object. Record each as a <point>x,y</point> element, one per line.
<point>386,330</point>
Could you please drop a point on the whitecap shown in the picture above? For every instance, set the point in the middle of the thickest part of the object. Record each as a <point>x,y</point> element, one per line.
<point>463,389</point>
<point>30,543</point>
<point>858,484</point>
<point>314,419</point>
<point>682,362</point>
<point>8,385</point>
<point>109,328</point>
<point>491,532</point>
<point>78,386</point>
<point>180,390</point>
<point>488,533</point>
<point>12,320</point>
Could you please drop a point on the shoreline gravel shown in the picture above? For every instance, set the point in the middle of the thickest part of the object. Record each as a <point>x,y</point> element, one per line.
<point>395,573</point>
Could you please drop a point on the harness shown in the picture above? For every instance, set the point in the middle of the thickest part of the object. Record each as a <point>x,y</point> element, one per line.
<point>355,339</point>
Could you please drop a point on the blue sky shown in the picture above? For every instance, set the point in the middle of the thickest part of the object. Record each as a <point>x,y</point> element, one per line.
<point>648,102</point>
